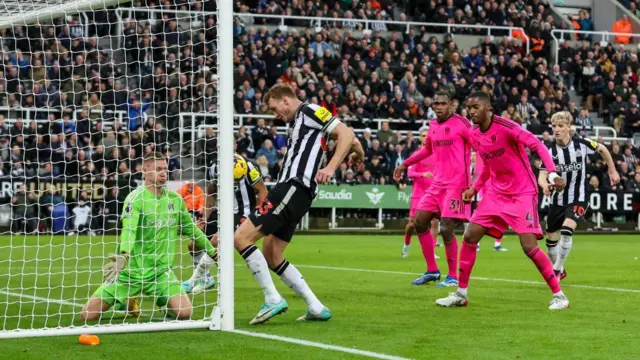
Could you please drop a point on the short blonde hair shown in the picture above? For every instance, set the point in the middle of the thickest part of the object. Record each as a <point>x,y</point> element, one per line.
<point>563,117</point>
<point>279,91</point>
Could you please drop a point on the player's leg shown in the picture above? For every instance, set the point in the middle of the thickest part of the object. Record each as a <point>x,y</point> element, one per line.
<point>435,230</point>
<point>94,308</point>
<point>422,224</point>
<point>201,278</point>
<point>573,214</point>
<point>555,218</point>
<point>244,240</point>
<point>497,245</point>
<point>409,230</point>
<point>451,251</point>
<point>468,253</point>
<point>522,215</point>
<point>111,293</point>
<point>529,244</point>
<point>273,247</point>
<point>170,295</point>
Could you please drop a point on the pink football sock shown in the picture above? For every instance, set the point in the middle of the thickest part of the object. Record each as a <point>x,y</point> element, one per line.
<point>498,242</point>
<point>407,239</point>
<point>467,260</point>
<point>426,243</point>
<point>545,267</point>
<point>451,249</point>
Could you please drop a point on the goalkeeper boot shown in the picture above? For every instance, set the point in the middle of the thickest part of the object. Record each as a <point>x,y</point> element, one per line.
<point>269,310</point>
<point>449,281</point>
<point>324,315</point>
<point>454,299</point>
<point>427,278</point>
<point>203,285</point>
<point>133,307</point>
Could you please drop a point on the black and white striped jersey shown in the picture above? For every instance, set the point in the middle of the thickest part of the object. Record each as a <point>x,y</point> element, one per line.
<point>244,201</point>
<point>304,147</point>
<point>571,164</point>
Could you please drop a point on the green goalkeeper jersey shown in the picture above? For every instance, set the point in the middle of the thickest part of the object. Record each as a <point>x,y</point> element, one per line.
<point>151,228</point>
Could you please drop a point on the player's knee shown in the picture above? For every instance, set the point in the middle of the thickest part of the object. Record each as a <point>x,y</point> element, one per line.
<point>88,314</point>
<point>184,313</point>
<point>421,226</point>
<point>410,228</point>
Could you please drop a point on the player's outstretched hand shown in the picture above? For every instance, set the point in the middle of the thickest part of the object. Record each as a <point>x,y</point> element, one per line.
<point>428,174</point>
<point>614,177</point>
<point>559,184</point>
<point>324,175</point>
<point>468,195</point>
<point>398,173</point>
<point>547,189</point>
<point>113,268</point>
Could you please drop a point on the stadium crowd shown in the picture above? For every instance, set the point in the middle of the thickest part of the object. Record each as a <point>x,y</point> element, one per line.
<point>166,69</point>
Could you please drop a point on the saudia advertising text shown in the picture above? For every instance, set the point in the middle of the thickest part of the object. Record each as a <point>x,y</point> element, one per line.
<point>362,197</point>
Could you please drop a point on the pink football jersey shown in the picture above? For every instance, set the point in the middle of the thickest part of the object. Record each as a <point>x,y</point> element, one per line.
<point>504,158</point>
<point>416,173</point>
<point>449,143</point>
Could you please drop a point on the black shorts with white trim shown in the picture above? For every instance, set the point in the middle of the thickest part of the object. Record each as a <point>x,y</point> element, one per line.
<point>283,209</point>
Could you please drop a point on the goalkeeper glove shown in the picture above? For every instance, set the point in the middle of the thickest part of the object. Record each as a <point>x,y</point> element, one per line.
<point>113,268</point>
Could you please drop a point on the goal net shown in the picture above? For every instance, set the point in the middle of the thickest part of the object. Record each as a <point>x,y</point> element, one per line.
<point>87,89</point>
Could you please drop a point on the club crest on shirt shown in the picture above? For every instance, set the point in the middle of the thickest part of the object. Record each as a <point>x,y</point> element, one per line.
<point>447,131</point>
<point>494,138</point>
<point>170,207</point>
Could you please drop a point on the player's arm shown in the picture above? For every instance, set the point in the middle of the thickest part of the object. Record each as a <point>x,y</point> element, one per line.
<point>318,117</point>
<point>543,181</point>
<point>484,175</point>
<point>190,229</point>
<point>532,142</point>
<point>592,147</point>
<point>357,156</point>
<point>130,227</point>
<point>417,156</point>
<point>254,177</point>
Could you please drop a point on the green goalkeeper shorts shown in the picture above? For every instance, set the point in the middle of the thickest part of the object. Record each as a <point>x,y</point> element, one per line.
<point>165,286</point>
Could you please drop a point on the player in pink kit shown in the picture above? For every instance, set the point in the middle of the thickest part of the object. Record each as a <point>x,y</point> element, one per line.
<point>421,173</point>
<point>477,170</point>
<point>512,198</point>
<point>448,141</point>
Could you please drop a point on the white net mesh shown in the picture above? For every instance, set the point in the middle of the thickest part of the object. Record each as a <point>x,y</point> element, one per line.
<point>83,98</point>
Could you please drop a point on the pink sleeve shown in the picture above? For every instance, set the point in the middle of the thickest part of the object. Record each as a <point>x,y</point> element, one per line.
<point>413,173</point>
<point>419,155</point>
<point>531,141</point>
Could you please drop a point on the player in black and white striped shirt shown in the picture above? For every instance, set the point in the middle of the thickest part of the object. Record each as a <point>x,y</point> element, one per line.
<point>290,199</point>
<point>248,191</point>
<point>568,207</point>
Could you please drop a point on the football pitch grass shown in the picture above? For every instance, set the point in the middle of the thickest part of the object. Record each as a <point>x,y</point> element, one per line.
<point>367,285</point>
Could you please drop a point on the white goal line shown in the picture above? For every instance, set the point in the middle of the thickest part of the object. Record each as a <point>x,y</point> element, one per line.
<point>301,342</point>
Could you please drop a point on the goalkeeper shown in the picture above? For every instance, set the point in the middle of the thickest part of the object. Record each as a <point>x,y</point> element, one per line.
<point>150,223</point>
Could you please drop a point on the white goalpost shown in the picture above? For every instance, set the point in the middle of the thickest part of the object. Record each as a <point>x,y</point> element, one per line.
<point>91,87</point>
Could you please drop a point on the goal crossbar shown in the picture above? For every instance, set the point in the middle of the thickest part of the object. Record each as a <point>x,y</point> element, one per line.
<point>18,12</point>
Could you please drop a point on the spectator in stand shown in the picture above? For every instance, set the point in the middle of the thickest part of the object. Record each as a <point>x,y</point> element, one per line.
<point>137,111</point>
<point>277,140</point>
<point>267,150</point>
<point>23,211</point>
<point>194,199</point>
<point>82,218</point>
<point>623,25</point>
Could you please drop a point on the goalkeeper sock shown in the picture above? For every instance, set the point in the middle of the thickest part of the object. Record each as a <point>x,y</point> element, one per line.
<point>294,280</point>
<point>196,259</point>
<point>260,270</point>
<point>202,268</point>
